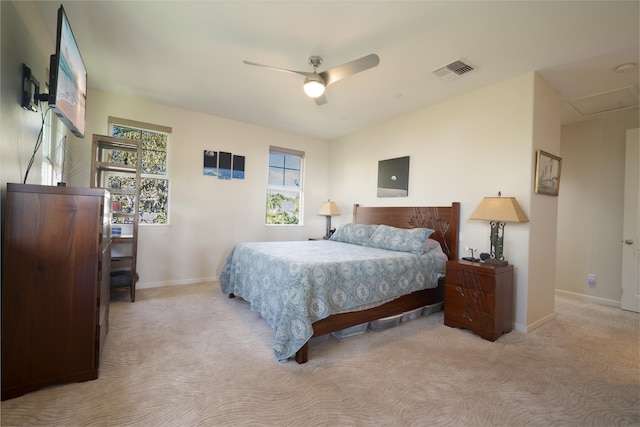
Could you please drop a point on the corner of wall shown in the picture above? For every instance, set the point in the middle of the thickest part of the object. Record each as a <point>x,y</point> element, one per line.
<point>540,289</point>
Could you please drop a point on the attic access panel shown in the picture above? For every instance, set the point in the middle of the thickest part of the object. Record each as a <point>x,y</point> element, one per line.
<point>603,102</point>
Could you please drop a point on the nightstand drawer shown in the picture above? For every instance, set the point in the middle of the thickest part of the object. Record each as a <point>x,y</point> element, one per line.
<point>457,295</point>
<point>471,279</point>
<point>461,316</point>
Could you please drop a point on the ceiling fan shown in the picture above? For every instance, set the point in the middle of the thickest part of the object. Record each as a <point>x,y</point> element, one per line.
<point>315,83</point>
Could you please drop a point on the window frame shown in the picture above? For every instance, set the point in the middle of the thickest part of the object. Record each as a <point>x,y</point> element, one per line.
<point>271,187</point>
<point>143,126</point>
<point>54,149</point>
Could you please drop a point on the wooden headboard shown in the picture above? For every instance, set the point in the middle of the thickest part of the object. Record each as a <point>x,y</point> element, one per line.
<point>443,219</point>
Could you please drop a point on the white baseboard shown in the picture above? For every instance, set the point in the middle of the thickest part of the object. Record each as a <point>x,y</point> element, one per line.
<point>148,285</point>
<point>597,300</point>
<point>520,328</point>
<point>528,328</point>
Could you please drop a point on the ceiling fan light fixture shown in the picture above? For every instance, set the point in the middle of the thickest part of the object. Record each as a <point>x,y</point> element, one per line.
<point>313,88</point>
<point>315,83</point>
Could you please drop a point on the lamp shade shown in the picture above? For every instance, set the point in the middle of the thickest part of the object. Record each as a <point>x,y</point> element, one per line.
<point>503,209</point>
<point>329,209</point>
<point>313,88</point>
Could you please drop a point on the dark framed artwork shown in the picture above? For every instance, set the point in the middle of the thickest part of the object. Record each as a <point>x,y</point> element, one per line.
<point>393,177</point>
<point>238,167</point>
<point>548,168</point>
<point>210,163</point>
<point>224,165</point>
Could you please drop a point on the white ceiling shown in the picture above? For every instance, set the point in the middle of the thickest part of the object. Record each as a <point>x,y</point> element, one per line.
<point>189,54</point>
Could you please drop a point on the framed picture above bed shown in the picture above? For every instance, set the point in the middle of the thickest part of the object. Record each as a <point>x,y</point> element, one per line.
<point>393,177</point>
<point>548,168</point>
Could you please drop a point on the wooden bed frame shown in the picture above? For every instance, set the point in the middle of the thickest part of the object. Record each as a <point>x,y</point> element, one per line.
<point>443,219</point>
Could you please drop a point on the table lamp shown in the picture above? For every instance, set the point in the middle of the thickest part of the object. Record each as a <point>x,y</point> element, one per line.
<point>328,209</point>
<point>498,210</point>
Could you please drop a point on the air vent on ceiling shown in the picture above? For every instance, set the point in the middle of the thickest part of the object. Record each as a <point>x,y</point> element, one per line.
<point>453,70</point>
<point>613,100</point>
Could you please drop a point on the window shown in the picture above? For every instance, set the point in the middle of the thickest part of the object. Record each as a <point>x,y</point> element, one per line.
<point>284,192</point>
<point>154,188</point>
<point>54,151</point>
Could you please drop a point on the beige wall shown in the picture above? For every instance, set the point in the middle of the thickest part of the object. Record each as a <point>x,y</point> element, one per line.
<point>590,208</point>
<point>207,215</point>
<point>461,150</point>
<point>544,210</point>
<point>18,127</point>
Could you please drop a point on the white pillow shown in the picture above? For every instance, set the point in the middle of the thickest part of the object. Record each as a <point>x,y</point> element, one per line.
<point>432,245</point>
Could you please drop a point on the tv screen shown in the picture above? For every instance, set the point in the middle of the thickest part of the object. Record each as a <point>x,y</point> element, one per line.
<point>68,79</point>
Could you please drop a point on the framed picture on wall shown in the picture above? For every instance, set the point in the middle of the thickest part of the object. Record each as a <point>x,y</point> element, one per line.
<point>224,165</point>
<point>238,167</point>
<point>210,163</point>
<point>548,168</point>
<point>393,177</point>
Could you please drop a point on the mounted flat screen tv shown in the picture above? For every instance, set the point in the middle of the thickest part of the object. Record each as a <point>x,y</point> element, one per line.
<point>68,79</point>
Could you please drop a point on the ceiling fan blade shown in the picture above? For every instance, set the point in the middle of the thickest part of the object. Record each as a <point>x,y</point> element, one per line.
<point>321,100</point>
<point>334,74</point>
<point>301,73</point>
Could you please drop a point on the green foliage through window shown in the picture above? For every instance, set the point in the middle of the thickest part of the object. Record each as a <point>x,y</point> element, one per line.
<point>284,191</point>
<point>154,188</point>
<point>282,209</point>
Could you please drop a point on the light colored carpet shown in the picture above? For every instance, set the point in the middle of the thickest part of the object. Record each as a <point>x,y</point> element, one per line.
<point>188,355</point>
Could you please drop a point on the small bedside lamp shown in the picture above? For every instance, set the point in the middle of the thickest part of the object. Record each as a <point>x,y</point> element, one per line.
<point>498,210</point>
<point>328,209</point>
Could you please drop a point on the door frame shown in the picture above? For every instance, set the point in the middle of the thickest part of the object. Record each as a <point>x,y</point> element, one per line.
<point>630,298</point>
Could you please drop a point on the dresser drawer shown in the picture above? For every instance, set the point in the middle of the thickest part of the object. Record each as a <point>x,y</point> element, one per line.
<point>464,296</point>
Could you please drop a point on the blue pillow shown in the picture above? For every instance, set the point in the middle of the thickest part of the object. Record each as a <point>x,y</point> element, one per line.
<point>357,234</point>
<point>410,240</point>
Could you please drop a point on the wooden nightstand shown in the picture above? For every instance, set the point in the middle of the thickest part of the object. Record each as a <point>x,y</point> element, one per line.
<point>479,297</point>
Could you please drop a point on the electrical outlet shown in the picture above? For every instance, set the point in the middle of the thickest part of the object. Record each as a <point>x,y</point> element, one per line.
<point>591,279</point>
<point>210,260</point>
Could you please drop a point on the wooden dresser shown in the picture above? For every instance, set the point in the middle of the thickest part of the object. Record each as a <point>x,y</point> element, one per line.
<point>479,297</point>
<point>55,285</point>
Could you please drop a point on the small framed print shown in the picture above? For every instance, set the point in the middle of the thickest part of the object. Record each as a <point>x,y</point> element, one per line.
<point>238,167</point>
<point>210,163</point>
<point>224,165</point>
<point>548,168</point>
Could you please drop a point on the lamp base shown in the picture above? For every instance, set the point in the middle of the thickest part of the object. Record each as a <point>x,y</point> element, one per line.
<point>328,233</point>
<point>496,261</point>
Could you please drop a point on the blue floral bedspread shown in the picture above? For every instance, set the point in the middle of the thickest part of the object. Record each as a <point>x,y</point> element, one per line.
<point>293,284</point>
